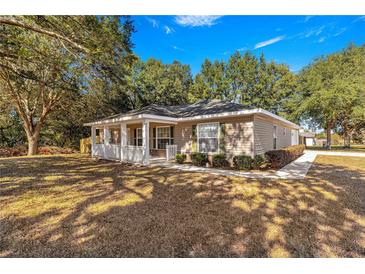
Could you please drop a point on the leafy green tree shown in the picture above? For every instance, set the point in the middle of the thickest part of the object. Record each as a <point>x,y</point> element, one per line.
<point>48,60</point>
<point>332,91</point>
<point>211,82</point>
<point>155,82</point>
<point>247,80</point>
<point>11,132</point>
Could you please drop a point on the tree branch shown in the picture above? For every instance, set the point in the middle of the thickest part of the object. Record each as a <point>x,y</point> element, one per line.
<point>11,22</point>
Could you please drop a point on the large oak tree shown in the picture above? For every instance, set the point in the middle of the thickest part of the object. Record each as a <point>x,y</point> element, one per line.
<point>45,61</point>
<point>332,92</point>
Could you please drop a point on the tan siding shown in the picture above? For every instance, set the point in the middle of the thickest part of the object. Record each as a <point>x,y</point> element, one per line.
<point>238,134</point>
<point>263,131</point>
<point>284,137</point>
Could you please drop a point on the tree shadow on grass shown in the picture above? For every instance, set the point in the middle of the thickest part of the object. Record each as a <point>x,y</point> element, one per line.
<point>127,211</point>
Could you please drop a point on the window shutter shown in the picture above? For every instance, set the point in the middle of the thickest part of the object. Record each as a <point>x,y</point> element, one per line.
<point>222,132</point>
<point>194,138</point>
<point>193,131</point>
<point>135,137</point>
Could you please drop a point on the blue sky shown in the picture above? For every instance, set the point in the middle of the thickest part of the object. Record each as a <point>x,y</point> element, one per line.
<point>293,40</point>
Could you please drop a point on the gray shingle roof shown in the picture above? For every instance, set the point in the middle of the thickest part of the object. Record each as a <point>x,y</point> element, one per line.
<point>203,107</point>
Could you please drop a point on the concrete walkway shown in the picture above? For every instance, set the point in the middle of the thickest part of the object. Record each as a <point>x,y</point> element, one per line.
<point>297,169</point>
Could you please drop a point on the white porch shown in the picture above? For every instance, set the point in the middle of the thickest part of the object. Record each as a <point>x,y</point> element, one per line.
<point>133,141</point>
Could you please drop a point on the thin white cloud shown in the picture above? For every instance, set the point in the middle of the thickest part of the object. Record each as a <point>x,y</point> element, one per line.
<point>342,30</point>
<point>226,52</point>
<point>307,18</point>
<point>360,18</point>
<point>196,20</point>
<point>168,30</point>
<point>269,42</point>
<point>177,48</point>
<point>313,32</point>
<point>153,22</point>
<point>321,40</point>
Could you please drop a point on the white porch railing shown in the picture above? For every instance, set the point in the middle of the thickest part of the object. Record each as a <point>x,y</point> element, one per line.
<point>107,151</point>
<point>132,154</point>
<point>171,151</point>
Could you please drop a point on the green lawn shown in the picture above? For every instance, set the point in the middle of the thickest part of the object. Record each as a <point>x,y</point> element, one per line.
<point>353,148</point>
<point>73,206</point>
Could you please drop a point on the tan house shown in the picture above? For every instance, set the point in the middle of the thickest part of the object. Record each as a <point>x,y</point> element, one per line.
<point>159,132</point>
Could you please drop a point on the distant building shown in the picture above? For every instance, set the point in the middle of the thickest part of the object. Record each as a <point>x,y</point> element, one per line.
<point>307,138</point>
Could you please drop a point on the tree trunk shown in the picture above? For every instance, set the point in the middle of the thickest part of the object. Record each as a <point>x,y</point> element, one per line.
<point>32,145</point>
<point>346,134</point>
<point>33,138</point>
<point>346,140</point>
<point>329,137</point>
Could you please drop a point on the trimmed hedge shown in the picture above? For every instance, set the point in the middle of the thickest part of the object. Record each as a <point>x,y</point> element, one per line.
<point>247,162</point>
<point>180,158</point>
<point>281,157</point>
<point>258,160</point>
<point>219,160</point>
<point>242,162</point>
<point>199,159</point>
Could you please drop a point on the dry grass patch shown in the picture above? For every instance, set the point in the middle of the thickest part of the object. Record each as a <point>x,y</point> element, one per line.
<point>73,206</point>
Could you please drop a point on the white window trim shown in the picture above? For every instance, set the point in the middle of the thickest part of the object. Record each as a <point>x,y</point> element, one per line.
<point>110,141</point>
<point>156,141</point>
<point>218,137</point>
<point>275,136</point>
<point>136,137</point>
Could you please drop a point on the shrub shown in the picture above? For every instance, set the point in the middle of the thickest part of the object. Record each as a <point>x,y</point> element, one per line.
<point>219,160</point>
<point>242,162</point>
<point>281,157</point>
<point>258,160</point>
<point>199,159</point>
<point>180,158</point>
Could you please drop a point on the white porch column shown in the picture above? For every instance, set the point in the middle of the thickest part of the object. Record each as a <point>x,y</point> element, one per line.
<point>123,140</point>
<point>106,135</point>
<point>146,142</point>
<point>93,141</point>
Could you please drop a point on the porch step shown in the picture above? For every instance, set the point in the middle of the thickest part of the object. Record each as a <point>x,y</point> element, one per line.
<point>157,160</point>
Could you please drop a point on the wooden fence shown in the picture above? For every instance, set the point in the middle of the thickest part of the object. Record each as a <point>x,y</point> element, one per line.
<point>85,145</point>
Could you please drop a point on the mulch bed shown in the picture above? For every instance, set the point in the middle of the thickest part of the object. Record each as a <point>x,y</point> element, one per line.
<point>45,150</point>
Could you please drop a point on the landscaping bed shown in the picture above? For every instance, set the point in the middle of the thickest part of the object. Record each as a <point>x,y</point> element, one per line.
<point>271,160</point>
<point>44,150</point>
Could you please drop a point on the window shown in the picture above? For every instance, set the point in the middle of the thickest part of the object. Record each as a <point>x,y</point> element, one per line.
<point>163,136</point>
<point>284,131</point>
<point>138,137</point>
<point>274,137</point>
<point>99,135</point>
<point>115,136</point>
<point>208,137</point>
